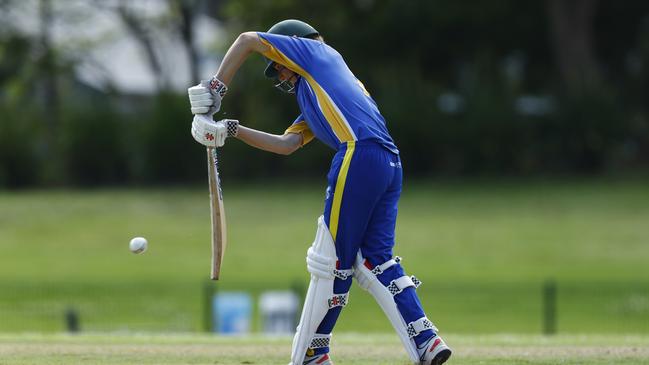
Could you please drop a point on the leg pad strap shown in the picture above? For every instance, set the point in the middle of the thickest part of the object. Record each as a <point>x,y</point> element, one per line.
<point>338,300</point>
<point>397,285</point>
<point>419,326</point>
<point>324,266</point>
<point>320,340</point>
<point>377,270</point>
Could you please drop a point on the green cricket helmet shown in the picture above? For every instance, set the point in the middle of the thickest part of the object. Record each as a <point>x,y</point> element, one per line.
<point>289,27</point>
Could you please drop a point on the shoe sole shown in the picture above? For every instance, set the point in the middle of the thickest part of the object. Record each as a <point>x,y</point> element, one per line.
<point>441,357</point>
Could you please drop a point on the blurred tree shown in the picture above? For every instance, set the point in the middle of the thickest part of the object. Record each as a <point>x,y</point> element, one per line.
<point>47,67</point>
<point>185,11</point>
<point>137,27</point>
<point>47,74</point>
<point>572,31</point>
<point>467,88</point>
<point>487,55</point>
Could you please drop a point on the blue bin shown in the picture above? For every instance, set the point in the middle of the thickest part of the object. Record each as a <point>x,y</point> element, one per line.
<point>232,313</point>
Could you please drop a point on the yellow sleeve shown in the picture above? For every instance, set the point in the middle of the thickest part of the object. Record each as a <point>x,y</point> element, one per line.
<point>303,129</point>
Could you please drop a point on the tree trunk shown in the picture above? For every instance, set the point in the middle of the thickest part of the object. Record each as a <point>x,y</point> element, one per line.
<point>571,31</point>
<point>186,22</point>
<point>141,35</point>
<point>47,72</point>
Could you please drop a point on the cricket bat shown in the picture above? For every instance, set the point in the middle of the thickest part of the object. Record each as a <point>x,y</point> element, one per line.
<point>217,213</point>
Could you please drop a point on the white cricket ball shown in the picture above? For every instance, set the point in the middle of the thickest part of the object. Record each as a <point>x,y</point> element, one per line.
<point>138,245</point>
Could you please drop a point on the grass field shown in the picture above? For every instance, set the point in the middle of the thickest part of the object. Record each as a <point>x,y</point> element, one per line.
<point>482,249</point>
<point>348,349</point>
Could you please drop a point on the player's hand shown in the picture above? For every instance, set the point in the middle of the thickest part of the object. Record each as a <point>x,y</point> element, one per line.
<point>213,134</point>
<point>208,132</point>
<point>205,98</point>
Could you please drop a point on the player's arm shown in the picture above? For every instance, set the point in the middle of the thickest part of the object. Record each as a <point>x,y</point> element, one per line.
<point>205,98</point>
<point>245,44</point>
<point>213,134</point>
<point>282,144</point>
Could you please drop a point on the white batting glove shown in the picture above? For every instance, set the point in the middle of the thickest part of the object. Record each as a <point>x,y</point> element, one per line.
<point>213,134</point>
<point>205,98</point>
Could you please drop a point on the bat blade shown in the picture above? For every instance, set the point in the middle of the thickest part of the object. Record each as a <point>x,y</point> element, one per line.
<point>217,213</point>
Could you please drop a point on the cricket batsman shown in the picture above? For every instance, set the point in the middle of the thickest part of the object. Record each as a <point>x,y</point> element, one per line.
<point>355,233</point>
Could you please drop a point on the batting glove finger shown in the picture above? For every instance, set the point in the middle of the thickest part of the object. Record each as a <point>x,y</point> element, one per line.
<point>197,90</point>
<point>200,110</point>
<point>200,103</point>
<point>202,100</point>
<point>198,97</point>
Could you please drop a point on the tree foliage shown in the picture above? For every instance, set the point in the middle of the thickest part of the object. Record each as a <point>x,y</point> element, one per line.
<point>467,88</point>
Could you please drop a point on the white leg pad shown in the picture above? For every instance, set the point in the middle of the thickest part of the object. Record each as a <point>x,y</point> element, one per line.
<point>384,296</point>
<point>321,263</point>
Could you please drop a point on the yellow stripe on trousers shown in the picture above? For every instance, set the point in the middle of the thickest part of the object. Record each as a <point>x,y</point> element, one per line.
<point>340,187</point>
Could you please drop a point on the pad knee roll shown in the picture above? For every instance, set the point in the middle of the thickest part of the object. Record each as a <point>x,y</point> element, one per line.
<point>321,259</point>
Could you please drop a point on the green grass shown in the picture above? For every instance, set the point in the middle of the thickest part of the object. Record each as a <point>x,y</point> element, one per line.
<point>482,249</point>
<point>347,349</point>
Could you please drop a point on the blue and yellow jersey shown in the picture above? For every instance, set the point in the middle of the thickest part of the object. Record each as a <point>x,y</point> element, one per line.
<point>335,106</point>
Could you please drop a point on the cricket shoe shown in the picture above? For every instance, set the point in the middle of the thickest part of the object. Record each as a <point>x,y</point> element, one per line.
<point>434,351</point>
<point>322,359</point>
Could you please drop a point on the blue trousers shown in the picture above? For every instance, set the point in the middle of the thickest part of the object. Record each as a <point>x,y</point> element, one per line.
<point>364,186</point>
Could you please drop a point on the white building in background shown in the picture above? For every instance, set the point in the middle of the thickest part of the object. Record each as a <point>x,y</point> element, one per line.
<point>106,54</point>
